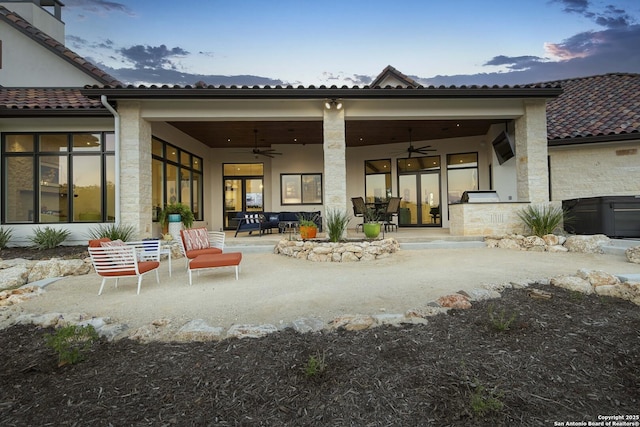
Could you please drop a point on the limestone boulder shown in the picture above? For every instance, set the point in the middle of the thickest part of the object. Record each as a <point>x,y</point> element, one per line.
<point>587,244</point>
<point>353,322</point>
<point>454,301</point>
<point>551,240</point>
<point>598,277</point>
<point>633,254</point>
<point>14,277</point>
<point>250,331</point>
<point>573,283</point>
<point>509,243</point>
<point>199,330</point>
<point>56,267</point>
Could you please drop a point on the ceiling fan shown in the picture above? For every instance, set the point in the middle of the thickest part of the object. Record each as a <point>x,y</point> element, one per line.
<point>418,150</point>
<point>267,152</point>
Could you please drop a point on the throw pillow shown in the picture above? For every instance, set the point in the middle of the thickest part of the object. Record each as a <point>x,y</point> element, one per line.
<point>195,238</point>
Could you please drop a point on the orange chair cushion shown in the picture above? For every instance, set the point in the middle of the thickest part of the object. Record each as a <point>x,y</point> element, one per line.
<point>143,267</point>
<point>216,260</point>
<point>194,253</point>
<point>96,243</point>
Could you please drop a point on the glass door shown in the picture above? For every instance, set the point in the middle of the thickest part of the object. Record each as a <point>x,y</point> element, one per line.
<point>241,195</point>
<point>419,187</point>
<point>243,191</point>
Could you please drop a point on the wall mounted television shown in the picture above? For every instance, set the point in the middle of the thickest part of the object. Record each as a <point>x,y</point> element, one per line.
<point>503,147</point>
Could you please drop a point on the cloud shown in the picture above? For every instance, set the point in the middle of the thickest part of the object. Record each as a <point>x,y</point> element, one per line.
<point>585,54</point>
<point>152,57</point>
<point>610,17</point>
<point>99,6</point>
<point>515,62</point>
<point>148,77</point>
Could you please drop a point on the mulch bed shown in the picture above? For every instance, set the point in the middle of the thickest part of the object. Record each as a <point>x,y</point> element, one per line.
<point>65,252</point>
<point>569,358</point>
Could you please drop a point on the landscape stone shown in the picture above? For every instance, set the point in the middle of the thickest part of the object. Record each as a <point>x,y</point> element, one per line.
<point>250,331</point>
<point>13,277</point>
<point>598,277</point>
<point>199,330</point>
<point>573,283</point>
<point>454,301</point>
<point>587,244</point>
<point>307,324</point>
<point>353,322</point>
<point>633,254</point>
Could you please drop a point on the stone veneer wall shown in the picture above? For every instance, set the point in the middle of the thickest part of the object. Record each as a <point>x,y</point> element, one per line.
<point>603,170</point>
<point>349,251</point>
<point>135,168</point>
<point>485,219</point>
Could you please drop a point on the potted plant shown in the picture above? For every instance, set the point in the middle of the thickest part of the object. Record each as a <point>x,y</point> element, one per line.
<point>184,211</point>
<point>308,228</point>
<point>371,225</point>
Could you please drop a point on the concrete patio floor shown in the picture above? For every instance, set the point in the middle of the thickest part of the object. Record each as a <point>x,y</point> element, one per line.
<point>273,289</point>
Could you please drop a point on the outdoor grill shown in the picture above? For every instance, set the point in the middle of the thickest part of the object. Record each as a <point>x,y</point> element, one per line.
<point>488,196</point>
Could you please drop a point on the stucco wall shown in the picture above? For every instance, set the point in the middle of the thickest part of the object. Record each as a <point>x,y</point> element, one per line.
<point>27,64</point>
<point>596,170</point>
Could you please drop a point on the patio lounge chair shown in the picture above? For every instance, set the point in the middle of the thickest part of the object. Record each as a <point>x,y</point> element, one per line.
<point>392,209</point>
<point>117,259</point>
<point>200,241</point>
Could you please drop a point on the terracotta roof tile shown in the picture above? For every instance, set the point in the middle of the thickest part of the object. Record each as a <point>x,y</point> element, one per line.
<point>55,46</point>
<point>47,99</point>
<point>601,105</point>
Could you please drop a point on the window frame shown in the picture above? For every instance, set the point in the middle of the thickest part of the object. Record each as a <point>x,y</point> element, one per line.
<point>71,156</point>
<point>189,171</point>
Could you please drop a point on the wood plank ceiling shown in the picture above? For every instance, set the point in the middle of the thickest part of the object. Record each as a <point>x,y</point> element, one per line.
<point>240,134</point>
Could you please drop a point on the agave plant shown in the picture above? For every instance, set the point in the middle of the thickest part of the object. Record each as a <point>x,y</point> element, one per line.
<point>337,222</point>
<point>542,220</point>
<point>113,231</point>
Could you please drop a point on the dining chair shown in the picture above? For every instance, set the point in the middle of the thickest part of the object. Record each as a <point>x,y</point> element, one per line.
<point>359,208</point>
<point>392,210</point>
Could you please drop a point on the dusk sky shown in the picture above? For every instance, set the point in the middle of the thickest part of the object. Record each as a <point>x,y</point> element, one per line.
<point>349,42</point>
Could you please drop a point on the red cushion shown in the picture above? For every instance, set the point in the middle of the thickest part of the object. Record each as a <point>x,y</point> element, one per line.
<point>218,260</point>
<point>208,251</point>
<point>143,267</point>
<point>96,243</point>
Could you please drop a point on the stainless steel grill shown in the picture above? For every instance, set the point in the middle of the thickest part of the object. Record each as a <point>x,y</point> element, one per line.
<point>480,197</point>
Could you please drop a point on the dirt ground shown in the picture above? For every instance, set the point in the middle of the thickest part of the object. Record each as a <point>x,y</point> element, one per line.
<point>568,358</point>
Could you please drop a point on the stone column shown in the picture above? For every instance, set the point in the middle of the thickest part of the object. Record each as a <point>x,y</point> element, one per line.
<point>335,161</point>
<point>531,153</point>
<point>135,168</point>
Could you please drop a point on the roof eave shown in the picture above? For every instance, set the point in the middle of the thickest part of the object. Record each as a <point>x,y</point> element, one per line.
<point>594,139</point>
<point>32,113</point>
<point>306,93</point>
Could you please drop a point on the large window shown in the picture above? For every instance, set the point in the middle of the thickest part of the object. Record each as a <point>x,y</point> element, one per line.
<point>377,181</point>
<point>462,174</point>
<point>58,177</point>
<point>177,177</point>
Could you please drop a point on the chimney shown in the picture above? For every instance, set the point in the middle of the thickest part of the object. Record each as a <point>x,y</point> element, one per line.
<point>45,15</point>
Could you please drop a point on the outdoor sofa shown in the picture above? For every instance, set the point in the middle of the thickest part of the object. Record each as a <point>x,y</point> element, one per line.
<point>266,222</point>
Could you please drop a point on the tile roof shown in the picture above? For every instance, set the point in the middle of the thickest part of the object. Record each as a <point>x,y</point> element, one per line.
<point>18,101</point>
<point>56,47</point>
<point>390,71</point>
<point>598,106</point>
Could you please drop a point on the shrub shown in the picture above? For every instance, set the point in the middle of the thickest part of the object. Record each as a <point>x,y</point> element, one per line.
<point>500,321</point>
<point>316,365</point>
<point>71,342</point>
<point>113,231</point>
<point>337,222</point>
<point>5,236</point>
<point>483,402</point>
<point>542,220</point>
<point>48,238</point>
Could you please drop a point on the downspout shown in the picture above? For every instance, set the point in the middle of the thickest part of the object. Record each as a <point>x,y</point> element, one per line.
<point>116,116</point>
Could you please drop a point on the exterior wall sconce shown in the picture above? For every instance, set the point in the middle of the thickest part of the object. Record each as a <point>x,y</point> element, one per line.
<point>333,103</point>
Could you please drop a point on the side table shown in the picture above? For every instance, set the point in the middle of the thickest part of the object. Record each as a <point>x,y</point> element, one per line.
<point>165,249</point>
